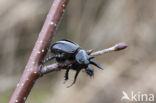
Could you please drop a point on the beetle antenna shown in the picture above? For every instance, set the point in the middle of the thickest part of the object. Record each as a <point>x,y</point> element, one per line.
<point>96,64</point>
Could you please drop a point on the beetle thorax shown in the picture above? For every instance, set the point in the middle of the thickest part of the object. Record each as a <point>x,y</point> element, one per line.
<point>82,57</point>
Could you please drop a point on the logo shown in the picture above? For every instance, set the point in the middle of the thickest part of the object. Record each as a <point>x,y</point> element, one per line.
<point>137,96</point>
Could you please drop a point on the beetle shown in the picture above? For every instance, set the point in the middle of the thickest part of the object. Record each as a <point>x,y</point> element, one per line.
<point>67,50</point>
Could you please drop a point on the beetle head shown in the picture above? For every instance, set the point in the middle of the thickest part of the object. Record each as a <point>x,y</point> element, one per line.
<point>90,70</point>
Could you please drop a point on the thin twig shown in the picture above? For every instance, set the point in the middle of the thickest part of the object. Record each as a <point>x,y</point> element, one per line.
<point>32,69</point>
<point>116,47</point>
<point>59,66</point>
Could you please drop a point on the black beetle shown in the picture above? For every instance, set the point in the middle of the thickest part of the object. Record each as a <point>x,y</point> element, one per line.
<point>67,50</point>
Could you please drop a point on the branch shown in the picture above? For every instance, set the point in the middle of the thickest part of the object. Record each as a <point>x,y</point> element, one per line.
<point>59,66</point>
<point>32,69</point>
<point>117,47</point>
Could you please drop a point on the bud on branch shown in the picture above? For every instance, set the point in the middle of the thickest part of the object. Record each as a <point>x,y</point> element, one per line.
<point>117,47</point>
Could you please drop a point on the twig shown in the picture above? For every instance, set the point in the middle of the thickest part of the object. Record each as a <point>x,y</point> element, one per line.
<point>116,47</point>
<point>32,69</point>
<point>59,66</point>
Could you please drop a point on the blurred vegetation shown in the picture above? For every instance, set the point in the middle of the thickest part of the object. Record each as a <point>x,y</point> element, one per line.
<point>92,24</point>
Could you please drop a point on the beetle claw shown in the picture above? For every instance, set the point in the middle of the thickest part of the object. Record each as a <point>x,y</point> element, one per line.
<point>96,64</point>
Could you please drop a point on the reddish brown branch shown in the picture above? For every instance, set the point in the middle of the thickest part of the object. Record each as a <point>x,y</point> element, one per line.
<point>32,69</point>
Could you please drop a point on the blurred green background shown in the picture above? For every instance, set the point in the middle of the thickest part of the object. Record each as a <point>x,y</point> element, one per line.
<point>93,24</point>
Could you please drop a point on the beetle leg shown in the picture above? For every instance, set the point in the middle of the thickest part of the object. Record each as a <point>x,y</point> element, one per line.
<point>59,55</point>
<point>51,57</point>
<point>96,64</point>
<point>77,72</point>
<point>91,57</point>
<point>67,71</point>
<point>66,75</point>
<point>48,59</point>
